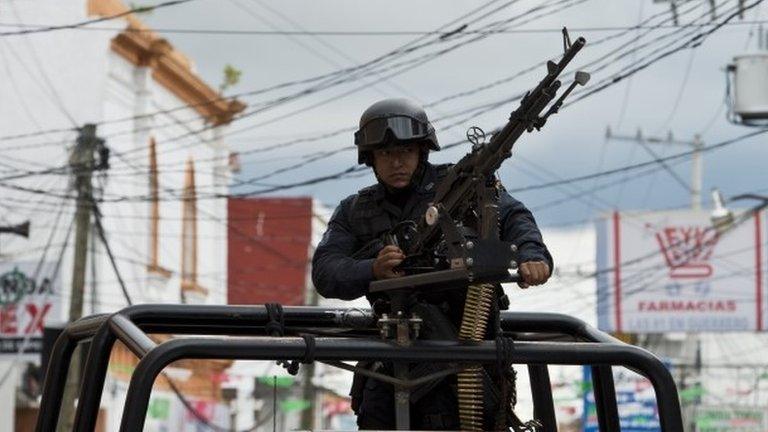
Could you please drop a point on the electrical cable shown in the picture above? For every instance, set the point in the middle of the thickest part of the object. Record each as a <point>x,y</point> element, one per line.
<point>693,42</point>
<point>595,65</point>
<point>631,167</point>
<point>54,94</point>
<point>22,100</point>
<point>313,33</point>
<point>188,406</point>
<point>134,117</point>
<point>339,131</point>
<point>400,68</point>
<point>322,86</point>
<point>357,168</point>
<point>92,21</point>
<point>747,215</point>
<point>669,118</point>
<point>184,106</point>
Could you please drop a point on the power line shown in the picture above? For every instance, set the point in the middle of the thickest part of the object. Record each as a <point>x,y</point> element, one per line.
<point>357,168</point>
<point>644,278</point>
<point>408,65</point>
<point>404,49</point>
<point>360,71</point>
<point>494,105</point>
<point>309,80</point>
<point>347,172</point>
<point>694,42</point>
<point>273,87</point>
<point>642,164</point>
<point>54,94</point>
<point>50,28</point>
<point>595,64</point>
<point>187,405</point>
<point>312,33</point>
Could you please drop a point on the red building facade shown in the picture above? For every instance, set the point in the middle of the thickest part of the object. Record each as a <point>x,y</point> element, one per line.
<point>268,250</point>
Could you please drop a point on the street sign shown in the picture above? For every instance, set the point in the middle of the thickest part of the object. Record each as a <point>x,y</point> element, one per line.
<point>731,418</point>
<point>671,271</point>
<point>28,301</point>
<point>635,401</point>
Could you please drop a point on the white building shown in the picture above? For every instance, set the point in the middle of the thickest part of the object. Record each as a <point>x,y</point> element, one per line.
<point>168,164</point>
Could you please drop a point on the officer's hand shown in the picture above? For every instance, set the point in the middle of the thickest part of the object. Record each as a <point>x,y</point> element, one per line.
<point>389,258</point>
<point>533,273</point>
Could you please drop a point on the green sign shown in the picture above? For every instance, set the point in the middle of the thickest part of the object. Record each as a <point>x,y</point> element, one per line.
<point>159,409</point>
<point>731,419</point>
<point>277,381</point>
<point>692,394</point>
<point>290,405</point>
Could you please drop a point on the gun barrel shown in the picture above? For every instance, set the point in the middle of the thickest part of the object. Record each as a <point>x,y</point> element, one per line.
<point>459,185</point>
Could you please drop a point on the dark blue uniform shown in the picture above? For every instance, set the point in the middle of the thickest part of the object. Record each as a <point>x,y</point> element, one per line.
<point>367,215</point>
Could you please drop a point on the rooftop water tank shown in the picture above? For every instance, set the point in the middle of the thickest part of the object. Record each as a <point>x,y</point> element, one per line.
<point>750,82</point>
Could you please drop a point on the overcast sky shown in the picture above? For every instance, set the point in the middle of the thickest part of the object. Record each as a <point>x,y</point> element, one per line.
<point>683,93</point>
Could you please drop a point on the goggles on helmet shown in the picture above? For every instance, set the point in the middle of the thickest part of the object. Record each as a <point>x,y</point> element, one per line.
<point>403,128</point>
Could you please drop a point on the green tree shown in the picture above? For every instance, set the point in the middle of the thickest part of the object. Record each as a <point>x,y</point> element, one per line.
<point>231,77</point>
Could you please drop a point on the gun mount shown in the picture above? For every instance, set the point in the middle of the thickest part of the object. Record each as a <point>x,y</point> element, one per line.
<point>460,229</point>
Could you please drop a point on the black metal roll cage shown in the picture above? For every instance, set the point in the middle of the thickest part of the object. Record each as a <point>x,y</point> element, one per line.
<point>541,339</point>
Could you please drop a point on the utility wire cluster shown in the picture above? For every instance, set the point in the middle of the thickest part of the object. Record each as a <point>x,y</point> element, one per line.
<point>455,35</point>
<point>694,35</point>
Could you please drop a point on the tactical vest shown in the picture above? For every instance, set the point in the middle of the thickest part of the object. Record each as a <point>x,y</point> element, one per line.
<point>370,220</point>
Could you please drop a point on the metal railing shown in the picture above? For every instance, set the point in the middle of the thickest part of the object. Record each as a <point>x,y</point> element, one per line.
<point>578,344</point>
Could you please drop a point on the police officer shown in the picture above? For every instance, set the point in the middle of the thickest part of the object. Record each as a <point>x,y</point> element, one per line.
<point>394,138</point>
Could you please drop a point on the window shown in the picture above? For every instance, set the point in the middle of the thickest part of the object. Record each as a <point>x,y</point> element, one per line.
<point>189,234</point>
<point>153,266</point>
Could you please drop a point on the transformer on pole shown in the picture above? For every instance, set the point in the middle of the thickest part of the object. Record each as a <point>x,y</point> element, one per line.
<point>747,86</point>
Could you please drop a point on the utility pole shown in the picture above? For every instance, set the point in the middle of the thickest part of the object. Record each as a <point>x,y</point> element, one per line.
<point>697,172</point>
<point>696,145</point>
<point>82,162</point>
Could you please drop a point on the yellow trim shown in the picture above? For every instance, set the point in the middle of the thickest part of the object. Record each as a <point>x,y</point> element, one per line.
<point>201,383</point>
<point>188,286</point>
<point>154,193</point>
<point>189,233</point>
<point>170,68</point>
<point>159,270</point>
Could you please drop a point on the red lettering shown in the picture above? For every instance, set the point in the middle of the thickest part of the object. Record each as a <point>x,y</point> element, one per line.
<point>8,322</point>
<point>687,234</point>
<point>687,306</point>
<point>671,235</point>
<point>37,318</point>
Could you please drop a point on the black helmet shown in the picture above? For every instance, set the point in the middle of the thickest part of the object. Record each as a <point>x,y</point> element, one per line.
<point>404,120</point>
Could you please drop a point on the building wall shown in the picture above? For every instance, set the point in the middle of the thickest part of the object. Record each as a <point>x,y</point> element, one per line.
<point>269,250</point>
<point>134,92</point>
<point>63,79</point>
